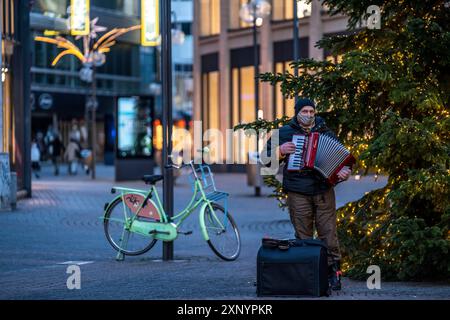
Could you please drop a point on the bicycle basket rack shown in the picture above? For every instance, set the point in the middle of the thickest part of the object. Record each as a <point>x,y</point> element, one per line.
<point>206,178</point>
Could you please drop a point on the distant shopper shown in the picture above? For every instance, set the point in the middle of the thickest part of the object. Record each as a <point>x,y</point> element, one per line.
<point>55,147</point>
<point>75,133</point>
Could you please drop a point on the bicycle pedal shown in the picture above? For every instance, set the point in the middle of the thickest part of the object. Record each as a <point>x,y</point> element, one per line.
<point>185,233</point>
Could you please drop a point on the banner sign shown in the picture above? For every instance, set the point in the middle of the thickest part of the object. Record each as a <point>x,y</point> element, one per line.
<point>149,22</point>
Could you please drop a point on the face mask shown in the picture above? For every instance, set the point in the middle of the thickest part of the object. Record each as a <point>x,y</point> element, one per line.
<point>305,120</point>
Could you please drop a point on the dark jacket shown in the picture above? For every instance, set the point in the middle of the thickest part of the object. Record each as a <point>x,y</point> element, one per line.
<point>307,182</point>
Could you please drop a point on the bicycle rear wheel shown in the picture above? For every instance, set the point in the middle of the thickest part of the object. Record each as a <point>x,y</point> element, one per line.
<point>118,234</point>
<point>224,238</point>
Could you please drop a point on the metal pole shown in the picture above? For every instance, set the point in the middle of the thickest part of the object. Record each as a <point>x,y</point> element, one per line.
<point>26,83</point>
<point>1,98</point>
<point>296,51</point>
<point>94,126</point>
<point>166,75</point>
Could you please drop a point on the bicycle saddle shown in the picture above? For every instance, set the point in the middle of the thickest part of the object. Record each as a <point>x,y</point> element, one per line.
<point>152,178</point>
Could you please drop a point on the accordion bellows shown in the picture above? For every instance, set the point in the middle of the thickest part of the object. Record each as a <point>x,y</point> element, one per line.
<point>320,152</point>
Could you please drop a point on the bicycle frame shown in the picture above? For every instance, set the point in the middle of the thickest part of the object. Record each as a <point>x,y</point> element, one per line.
<point>191,206</point>
<point>148,217</point>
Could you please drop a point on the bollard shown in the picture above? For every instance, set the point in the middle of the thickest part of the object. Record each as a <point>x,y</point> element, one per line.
<point>254,177</point>
<point>13,190</point>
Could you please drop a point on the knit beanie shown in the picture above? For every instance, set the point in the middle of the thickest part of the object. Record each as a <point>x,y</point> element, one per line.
<point>302,103</point>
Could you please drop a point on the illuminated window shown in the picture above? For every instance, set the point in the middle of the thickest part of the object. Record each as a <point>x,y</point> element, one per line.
<point>284,9</point>
<point>247,94</point>
<point>243,108</point>
<point>235,20</point>
<point>210,17</point>
<point>243,95</point>
<point>210,100</point>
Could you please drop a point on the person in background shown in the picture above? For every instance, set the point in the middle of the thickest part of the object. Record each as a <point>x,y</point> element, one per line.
<point>55,148</point>
<point>41,145</point>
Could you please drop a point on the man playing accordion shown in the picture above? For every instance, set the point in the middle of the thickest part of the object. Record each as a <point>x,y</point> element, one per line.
<point>311,199</point>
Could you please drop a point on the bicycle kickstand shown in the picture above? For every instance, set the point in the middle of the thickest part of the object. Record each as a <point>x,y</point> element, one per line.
<point>120,256</point>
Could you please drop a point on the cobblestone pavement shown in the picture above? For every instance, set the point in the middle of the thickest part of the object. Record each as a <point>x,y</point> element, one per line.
<point>60,223</point>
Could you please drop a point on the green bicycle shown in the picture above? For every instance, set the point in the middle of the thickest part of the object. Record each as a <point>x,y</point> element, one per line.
<point>135,220</point>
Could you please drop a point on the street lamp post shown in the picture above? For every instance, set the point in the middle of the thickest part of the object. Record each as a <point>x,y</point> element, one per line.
<point>94,124</point>
<point>254,12</point>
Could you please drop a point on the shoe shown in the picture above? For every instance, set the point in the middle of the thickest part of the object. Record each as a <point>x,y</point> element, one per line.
<point>335,275</point>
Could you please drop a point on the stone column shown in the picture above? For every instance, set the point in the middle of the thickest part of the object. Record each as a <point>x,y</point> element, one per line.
<point>224,75</point>
<point>224,67</point>
<point>197,76</point>
<point>266,62</point>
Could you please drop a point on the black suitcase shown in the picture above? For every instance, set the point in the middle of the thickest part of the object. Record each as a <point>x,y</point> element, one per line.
<point>292,268</point>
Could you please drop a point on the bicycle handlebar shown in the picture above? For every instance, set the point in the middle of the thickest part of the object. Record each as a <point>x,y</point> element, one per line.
<point>174,166</point>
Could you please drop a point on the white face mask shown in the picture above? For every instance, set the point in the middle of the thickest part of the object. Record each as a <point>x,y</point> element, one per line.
<point>305,120</point>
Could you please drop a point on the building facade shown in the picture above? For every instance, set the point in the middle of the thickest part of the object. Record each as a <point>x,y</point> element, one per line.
<point>15,83</point>
<point>224,87</point>
<point>182,55</point>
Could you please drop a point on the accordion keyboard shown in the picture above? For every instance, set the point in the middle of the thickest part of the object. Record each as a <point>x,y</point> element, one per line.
<point>296,161</point>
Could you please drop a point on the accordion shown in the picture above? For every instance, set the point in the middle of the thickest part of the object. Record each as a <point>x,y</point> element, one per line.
<point>319,152</point>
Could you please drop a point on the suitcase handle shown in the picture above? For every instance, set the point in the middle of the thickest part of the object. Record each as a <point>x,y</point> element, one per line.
<point>308,242</point>
<point>285,244</point>
<point>275,243</point>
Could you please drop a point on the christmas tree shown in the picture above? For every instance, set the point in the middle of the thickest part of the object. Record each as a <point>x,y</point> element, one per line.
<point>388,100</point>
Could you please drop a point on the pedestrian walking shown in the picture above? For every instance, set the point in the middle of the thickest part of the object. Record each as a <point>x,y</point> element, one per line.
<point>55,148</point>
<point>35,159</point>
<point>72,155</point>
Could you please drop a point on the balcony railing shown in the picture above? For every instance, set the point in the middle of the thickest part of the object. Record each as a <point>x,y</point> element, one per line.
<point>69,81</point>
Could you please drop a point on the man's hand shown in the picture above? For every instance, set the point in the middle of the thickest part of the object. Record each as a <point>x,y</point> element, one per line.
<point>287,148</point>
<point>344,174</point>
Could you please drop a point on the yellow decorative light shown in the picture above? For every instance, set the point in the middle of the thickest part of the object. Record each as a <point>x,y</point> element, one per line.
<point>102,45</point>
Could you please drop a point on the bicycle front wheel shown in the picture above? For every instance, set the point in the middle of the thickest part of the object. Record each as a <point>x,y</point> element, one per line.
<point>118,233</point>
<point>222,231</point>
